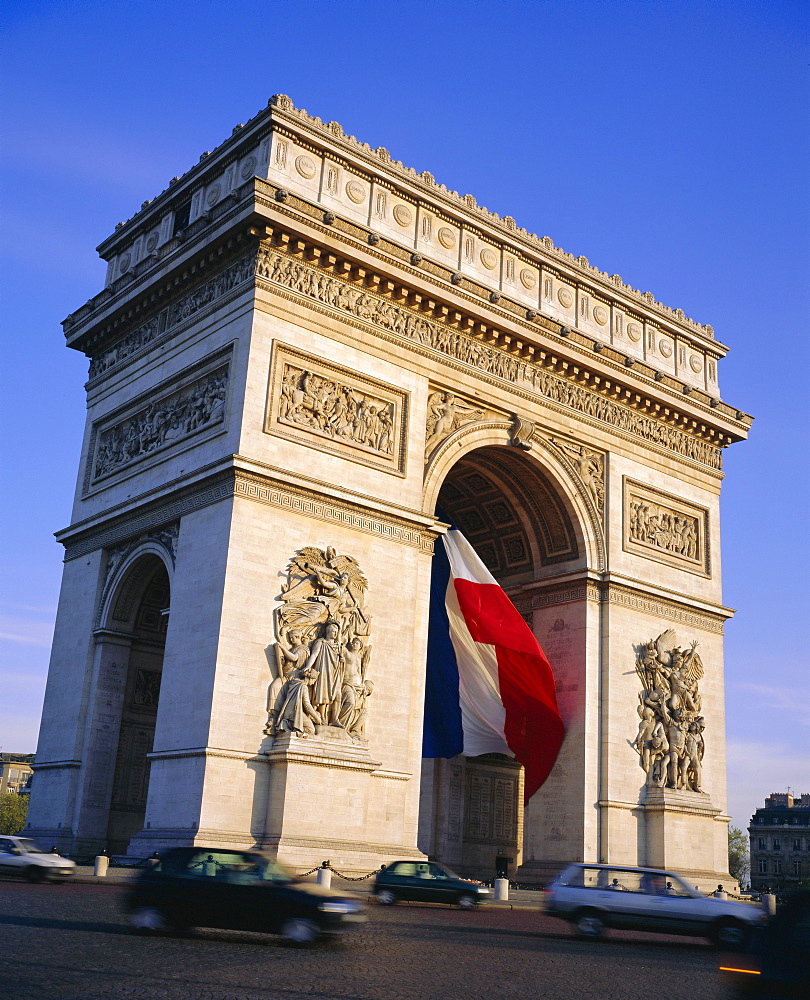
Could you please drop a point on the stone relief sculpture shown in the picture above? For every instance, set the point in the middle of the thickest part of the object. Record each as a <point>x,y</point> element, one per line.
<point>183,308</point>
<point>162,422</point>
<point>343,412</point>
<point>322,649</point>
<point>591,468</point>
<point>670,530</point>
<point>446,412</point>
<point>669,740</point>
<point>388,316</point>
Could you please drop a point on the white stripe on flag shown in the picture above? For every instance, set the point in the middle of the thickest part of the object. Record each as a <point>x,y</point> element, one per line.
<point>483,716</point>
<point>465,563</point>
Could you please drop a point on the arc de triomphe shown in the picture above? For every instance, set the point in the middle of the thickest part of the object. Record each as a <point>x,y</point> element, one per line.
<point>301,350</point>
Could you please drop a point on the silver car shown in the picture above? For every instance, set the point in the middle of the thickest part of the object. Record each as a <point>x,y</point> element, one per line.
<point>22,856</point>
<point>593,897</point>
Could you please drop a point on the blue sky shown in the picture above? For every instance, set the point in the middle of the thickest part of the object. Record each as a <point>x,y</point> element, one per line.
<point>665,141</point>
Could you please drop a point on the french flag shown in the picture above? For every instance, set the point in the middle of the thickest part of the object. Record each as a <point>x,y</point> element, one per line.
<point>489,687</point>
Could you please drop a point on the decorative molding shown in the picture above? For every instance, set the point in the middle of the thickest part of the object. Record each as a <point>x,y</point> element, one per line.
<point>324,406</point>
<point>386,316</point>
<point>658,607</point>
<point>261,489</point>
<point>628,597</point>
<point>657,525</point>
<point>184,308</point>
<point>183,406</point>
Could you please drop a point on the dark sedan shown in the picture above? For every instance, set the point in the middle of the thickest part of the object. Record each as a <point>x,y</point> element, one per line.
<point>426,882</point>
<point>240,890</point>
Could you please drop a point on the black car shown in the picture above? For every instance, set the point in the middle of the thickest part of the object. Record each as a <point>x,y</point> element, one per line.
<point>240,890</point>
<point>777,960</point>
<point>426,882</point>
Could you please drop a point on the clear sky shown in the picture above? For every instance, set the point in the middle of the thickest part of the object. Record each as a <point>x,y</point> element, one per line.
<point>665,141</point>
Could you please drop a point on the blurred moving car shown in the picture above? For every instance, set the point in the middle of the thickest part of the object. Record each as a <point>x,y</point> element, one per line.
<point>426,882</point>
<point>593,897</point>
<point>24,857</point>
<point>239,890</point>
<point>777,961</point>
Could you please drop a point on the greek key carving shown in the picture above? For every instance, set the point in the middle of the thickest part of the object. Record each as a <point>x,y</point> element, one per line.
<point>386,315</point>
<point>161,423</point>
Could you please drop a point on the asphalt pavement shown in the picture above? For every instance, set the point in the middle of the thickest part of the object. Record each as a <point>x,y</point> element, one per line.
<point>71,942</point>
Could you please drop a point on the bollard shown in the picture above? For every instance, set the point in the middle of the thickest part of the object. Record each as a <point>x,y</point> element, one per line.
<point>769,903</point>
<point>720,893</point>
<point>100,866</point>
<point>324,877</point>
<point>502,888</point>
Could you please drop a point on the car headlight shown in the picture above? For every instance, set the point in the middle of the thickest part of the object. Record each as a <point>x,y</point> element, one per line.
<point>340,906</point>
<point>483,890</point>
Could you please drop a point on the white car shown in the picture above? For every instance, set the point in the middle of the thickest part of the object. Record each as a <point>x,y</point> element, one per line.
<point>593,897</point>
<point>24,857</point>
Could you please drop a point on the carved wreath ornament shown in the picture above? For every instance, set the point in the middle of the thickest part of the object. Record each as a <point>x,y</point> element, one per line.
<point>669,741</point>
<point>322,652</point>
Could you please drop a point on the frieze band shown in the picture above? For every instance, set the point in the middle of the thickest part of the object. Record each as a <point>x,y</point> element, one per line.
<point>361,304</point>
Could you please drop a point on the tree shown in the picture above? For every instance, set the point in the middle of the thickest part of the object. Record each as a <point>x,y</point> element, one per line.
<point>13,811</point>
<point>738,861</point>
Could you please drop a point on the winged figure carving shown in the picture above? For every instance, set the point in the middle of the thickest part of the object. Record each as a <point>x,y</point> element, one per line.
<point>669,740</point>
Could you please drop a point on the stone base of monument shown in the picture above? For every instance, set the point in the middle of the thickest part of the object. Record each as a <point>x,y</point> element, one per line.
<point>684,826</point>
<point>329,800</point>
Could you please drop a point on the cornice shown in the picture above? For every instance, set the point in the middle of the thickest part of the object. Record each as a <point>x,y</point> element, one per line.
<point>282,115</point>
<point>604,592</point>
<point>131,520</point>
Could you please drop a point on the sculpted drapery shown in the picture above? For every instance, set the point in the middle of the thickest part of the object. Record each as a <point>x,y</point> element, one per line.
<point>322,649</point>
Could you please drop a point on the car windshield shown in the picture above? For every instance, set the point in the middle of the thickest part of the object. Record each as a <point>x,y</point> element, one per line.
<point>30,846</point>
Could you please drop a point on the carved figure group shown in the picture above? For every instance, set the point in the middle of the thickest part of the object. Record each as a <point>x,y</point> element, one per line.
<point>339,411</point>
<point>321,650</point>
<point>669,740</point>
<point>663,528</point>
<point>445,414</point>
<point>162,422</point>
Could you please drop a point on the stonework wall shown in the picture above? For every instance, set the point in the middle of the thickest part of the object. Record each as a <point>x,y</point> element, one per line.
<point>301,365</point>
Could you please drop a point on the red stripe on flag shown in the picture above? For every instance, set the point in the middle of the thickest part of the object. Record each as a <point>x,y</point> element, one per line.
<point>534,729</point>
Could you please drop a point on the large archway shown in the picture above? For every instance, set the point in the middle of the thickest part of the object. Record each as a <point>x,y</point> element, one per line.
<point>526,530</point>
<point>140,609</point>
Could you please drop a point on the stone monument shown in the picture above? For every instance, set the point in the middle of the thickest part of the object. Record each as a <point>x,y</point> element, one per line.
<point>302,351</point>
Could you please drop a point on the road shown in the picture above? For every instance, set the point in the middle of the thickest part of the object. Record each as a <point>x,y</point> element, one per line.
<point>70,942</point>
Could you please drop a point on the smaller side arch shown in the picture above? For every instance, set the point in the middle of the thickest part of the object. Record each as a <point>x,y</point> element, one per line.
<point>127,572</point>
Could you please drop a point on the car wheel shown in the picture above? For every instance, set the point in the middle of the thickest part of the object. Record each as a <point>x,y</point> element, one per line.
<point>386,898</point>
<point>730,934</point>
<point>299,931</point>
<point>34,873</point>
<point>148,919</point>
<point>467,902</point>
<point>590,925</point>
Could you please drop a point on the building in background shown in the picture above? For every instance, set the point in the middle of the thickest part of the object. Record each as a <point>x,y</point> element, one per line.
<point>780,842</point>
<point>15,771</point>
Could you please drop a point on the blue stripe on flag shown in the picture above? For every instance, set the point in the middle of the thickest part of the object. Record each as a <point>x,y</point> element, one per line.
<point>442,735</point>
